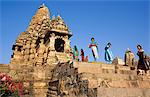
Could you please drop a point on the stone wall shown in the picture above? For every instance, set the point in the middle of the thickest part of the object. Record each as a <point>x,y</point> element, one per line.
<point>4,68</point>
<point>95,79</point>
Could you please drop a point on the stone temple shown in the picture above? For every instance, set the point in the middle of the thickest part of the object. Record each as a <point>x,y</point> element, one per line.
<point>41,60</point>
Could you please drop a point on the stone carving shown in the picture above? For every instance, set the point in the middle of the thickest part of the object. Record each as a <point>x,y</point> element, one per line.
<point>104,83</point>
<point>119,61</point>
<point>40,21</point>
<point>67,44</point>
<point>32,50</point>
<point>59,25</point>
<point>52,41</point>
<point>66,81</point>
<point>129,58</point>
<point>17,54</point>
<point>40,53</point>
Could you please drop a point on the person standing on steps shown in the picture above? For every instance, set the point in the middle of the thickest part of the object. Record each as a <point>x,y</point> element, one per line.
<point>86,59</point>
<point>94,47</point>
<point>108,53</point>
<point>82,55</point>
<point>75,53</point>
<point>141,62</point>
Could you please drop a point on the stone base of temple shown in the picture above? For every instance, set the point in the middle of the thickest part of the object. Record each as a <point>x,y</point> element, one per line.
<point>106,80</point>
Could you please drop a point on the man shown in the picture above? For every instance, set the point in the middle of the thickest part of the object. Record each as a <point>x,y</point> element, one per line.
<point>94,47</point>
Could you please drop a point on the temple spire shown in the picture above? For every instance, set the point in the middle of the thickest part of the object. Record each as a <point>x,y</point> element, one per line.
<point>43,5</point>
<point>41,15</point>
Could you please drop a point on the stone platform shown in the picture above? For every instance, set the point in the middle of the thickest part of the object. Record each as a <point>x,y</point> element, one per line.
<point>114,80</point>
<point>109,80</point>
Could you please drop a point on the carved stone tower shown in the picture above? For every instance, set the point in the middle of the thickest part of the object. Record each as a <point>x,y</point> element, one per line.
<point>36,50</point>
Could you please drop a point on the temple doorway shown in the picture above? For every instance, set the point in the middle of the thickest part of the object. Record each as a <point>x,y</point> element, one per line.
<point>59,45</point>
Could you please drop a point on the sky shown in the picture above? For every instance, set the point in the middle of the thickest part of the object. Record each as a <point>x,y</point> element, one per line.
<point>124,23</point>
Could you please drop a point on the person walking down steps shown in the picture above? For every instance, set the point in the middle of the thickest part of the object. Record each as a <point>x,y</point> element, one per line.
<point>94,47</point>
<point>108,53</point>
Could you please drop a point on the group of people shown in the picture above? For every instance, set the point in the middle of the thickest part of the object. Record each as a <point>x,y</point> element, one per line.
<point>75,55</point>
<point>143,62</point>
<point>94,46</point>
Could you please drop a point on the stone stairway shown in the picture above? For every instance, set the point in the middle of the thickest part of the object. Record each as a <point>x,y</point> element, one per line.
<point>123,92</point>
<point>114,80</point>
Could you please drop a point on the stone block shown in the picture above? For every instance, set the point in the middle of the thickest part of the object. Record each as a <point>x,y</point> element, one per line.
<point>4,68</point>
<point>39,84</point>
<point>123,92</point>
<point>86,67</point>
<point>119,84</point>
<point>108,66</point>
<point>40,92</point>
<point>134,84</point>
<point>92,83</point>
<point>108,71</point>
<point>144,84</point>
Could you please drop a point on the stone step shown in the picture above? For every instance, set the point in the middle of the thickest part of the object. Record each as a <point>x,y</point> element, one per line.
<point>116,76</point>
<point>94,83</point>
<point>102,68</point>
<point>110,76</point>
<point>116,80</point>
<point>123,92</point>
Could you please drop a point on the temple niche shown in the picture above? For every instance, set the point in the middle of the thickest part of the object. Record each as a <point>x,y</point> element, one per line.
<point>59,45</point>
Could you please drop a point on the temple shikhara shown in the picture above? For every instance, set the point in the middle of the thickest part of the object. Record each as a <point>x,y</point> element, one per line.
<point>43,41</point>
<point>41,60</point>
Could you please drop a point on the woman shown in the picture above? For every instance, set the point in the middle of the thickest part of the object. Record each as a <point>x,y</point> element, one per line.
<point>82,55</point>
<point>108,53</point>
<point>141,63</point>
<point>75,53</point>
<point>94,47</point>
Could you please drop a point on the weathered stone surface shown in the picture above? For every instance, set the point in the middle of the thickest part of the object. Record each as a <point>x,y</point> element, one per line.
<point>4,68</point>
<point>41,61</point>
<point>123,92</point>
<point>66,83</point>
<point>118,61</point>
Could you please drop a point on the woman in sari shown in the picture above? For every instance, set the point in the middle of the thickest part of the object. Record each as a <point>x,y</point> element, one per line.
<point>94,47</point>
<point>82,55</point>
<point>75,53</point>
<point>141,62</point>
<point>108,53</point>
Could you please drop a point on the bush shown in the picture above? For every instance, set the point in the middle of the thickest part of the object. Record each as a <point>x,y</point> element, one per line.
<point>8,87</point>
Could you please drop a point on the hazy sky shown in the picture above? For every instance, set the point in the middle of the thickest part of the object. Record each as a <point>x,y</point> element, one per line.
<point>123,23</point>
